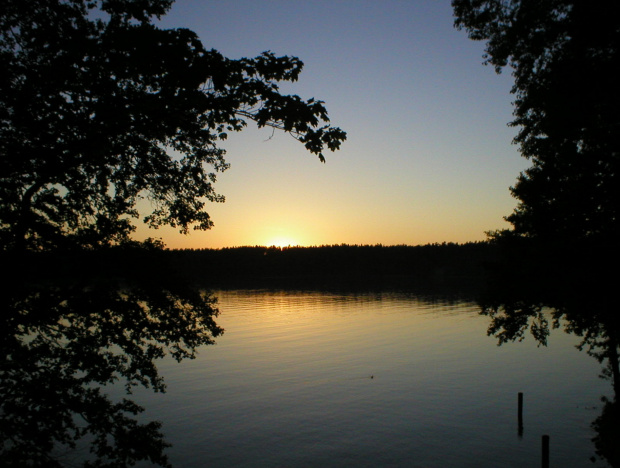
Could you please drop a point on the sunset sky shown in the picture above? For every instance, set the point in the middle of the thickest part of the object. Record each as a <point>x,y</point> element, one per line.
<point>428,156</point>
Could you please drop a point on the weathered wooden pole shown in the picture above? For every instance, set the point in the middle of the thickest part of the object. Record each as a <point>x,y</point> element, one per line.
<point>520,412</point>
<point>545,451</point>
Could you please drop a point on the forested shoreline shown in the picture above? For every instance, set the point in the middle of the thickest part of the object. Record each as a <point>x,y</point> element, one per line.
<point>442,265</point>
<point>431,261</point>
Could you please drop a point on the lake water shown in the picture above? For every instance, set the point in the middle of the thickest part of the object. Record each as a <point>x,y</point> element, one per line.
<point>309,379</point>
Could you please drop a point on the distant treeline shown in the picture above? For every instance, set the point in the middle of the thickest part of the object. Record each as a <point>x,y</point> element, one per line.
<point>432,262</point>
<point>437,264</point>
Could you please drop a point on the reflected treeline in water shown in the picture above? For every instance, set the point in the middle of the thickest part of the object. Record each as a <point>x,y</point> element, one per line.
<point>66,336</point>
<point>607,431</point>
<point>538,288</point>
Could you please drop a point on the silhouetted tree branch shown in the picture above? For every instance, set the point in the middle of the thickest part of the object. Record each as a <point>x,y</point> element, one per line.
<point>565,60</point>
<point>100,109</point>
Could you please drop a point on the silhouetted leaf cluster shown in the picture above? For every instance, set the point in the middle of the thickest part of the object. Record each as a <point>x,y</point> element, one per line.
<point>565,60</point>
<point>62,342</point>
<point>100,109</point>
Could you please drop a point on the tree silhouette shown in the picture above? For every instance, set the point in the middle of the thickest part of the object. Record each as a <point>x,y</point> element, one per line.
<point>99,108</point>
<point>565,61</point>
<point>64,341</point>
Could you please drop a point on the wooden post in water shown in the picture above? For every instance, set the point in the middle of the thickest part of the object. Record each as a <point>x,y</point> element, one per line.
<point>520,414</point>
<point>545,451</point>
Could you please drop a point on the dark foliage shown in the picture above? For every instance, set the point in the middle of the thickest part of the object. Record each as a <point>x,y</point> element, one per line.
<point>100,109</point>
<point>565,60</point>
<point>461,265</point>
<point>532,282</point>
<point>559,262</point>
<point>540,286</point>
<point>607,428</point>
<point>65,338</point>
<point>100,112</point>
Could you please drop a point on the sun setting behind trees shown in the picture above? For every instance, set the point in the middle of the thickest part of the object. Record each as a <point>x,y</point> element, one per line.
<point>428,155</point>
<point>282,242</point>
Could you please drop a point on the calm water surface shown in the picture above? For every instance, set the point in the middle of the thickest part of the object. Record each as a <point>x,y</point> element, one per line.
<point>307,379</point>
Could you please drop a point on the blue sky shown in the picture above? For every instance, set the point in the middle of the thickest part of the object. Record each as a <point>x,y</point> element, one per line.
<point>428,156</point>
